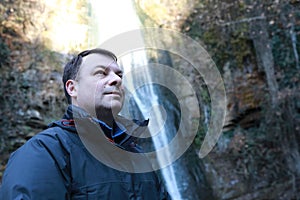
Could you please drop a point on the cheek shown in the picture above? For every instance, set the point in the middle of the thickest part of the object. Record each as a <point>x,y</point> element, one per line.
<point>99,85</point>
<point>99,89</point>
<point>122,89</point>
<point>87,91</point>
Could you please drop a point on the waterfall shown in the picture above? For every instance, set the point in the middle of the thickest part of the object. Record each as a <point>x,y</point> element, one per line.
<point>148,102</point>
<point>206,115</point>
<point>115,17</point>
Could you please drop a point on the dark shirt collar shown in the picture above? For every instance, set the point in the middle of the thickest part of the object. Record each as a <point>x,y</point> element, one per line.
<point>112,132</point>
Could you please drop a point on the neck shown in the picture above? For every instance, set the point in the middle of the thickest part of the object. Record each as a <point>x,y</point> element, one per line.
<point>106,116</point>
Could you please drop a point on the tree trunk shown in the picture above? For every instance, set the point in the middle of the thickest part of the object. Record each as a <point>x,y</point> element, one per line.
<point>262,44</point>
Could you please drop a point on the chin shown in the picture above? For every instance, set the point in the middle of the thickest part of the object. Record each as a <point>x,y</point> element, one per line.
<point>113,108</point>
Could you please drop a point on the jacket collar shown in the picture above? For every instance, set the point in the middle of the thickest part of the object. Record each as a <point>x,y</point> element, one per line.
<point>134,128</point>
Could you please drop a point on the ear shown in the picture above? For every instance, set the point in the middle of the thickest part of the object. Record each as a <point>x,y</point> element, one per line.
<point>71,87</point>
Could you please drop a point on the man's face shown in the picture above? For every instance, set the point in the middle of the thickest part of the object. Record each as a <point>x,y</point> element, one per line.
<point>99,85</point>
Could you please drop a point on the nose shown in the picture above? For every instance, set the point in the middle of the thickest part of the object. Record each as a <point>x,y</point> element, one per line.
<point>114,79</point>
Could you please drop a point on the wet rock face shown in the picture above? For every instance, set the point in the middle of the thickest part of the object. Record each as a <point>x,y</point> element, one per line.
<point>31,92</point>
<point>167,14</point>
<point>253,158</point>
<point>246,93</point>
<point>31,96</point>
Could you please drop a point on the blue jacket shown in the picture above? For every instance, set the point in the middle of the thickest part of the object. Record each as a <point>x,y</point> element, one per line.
<point>55,165</point>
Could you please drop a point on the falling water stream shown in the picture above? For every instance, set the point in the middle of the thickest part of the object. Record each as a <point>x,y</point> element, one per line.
<point>113,18</point>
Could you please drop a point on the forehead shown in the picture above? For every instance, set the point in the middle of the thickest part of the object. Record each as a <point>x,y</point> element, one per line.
<point>94,60</point>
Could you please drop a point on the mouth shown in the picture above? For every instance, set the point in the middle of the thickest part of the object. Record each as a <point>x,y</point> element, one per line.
<point>113,93</point>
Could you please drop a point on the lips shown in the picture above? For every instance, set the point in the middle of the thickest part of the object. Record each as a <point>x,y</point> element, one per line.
<point>113,92</point>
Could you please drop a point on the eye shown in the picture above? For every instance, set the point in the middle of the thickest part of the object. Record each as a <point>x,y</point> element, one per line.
<point>101,72</point>
<point>120,74</point>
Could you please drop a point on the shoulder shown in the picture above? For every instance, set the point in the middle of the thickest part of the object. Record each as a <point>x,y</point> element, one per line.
<point>40,165</point>
<point>42,152</point>
<point>53,141</point>
<point>54,136</point>
<point>53,133</point>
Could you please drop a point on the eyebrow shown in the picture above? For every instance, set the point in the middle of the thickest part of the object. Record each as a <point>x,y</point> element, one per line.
<point>100,66</point>
<point>105,67</point>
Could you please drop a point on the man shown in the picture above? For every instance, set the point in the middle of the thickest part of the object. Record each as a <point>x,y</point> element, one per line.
<point>57,164</point>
